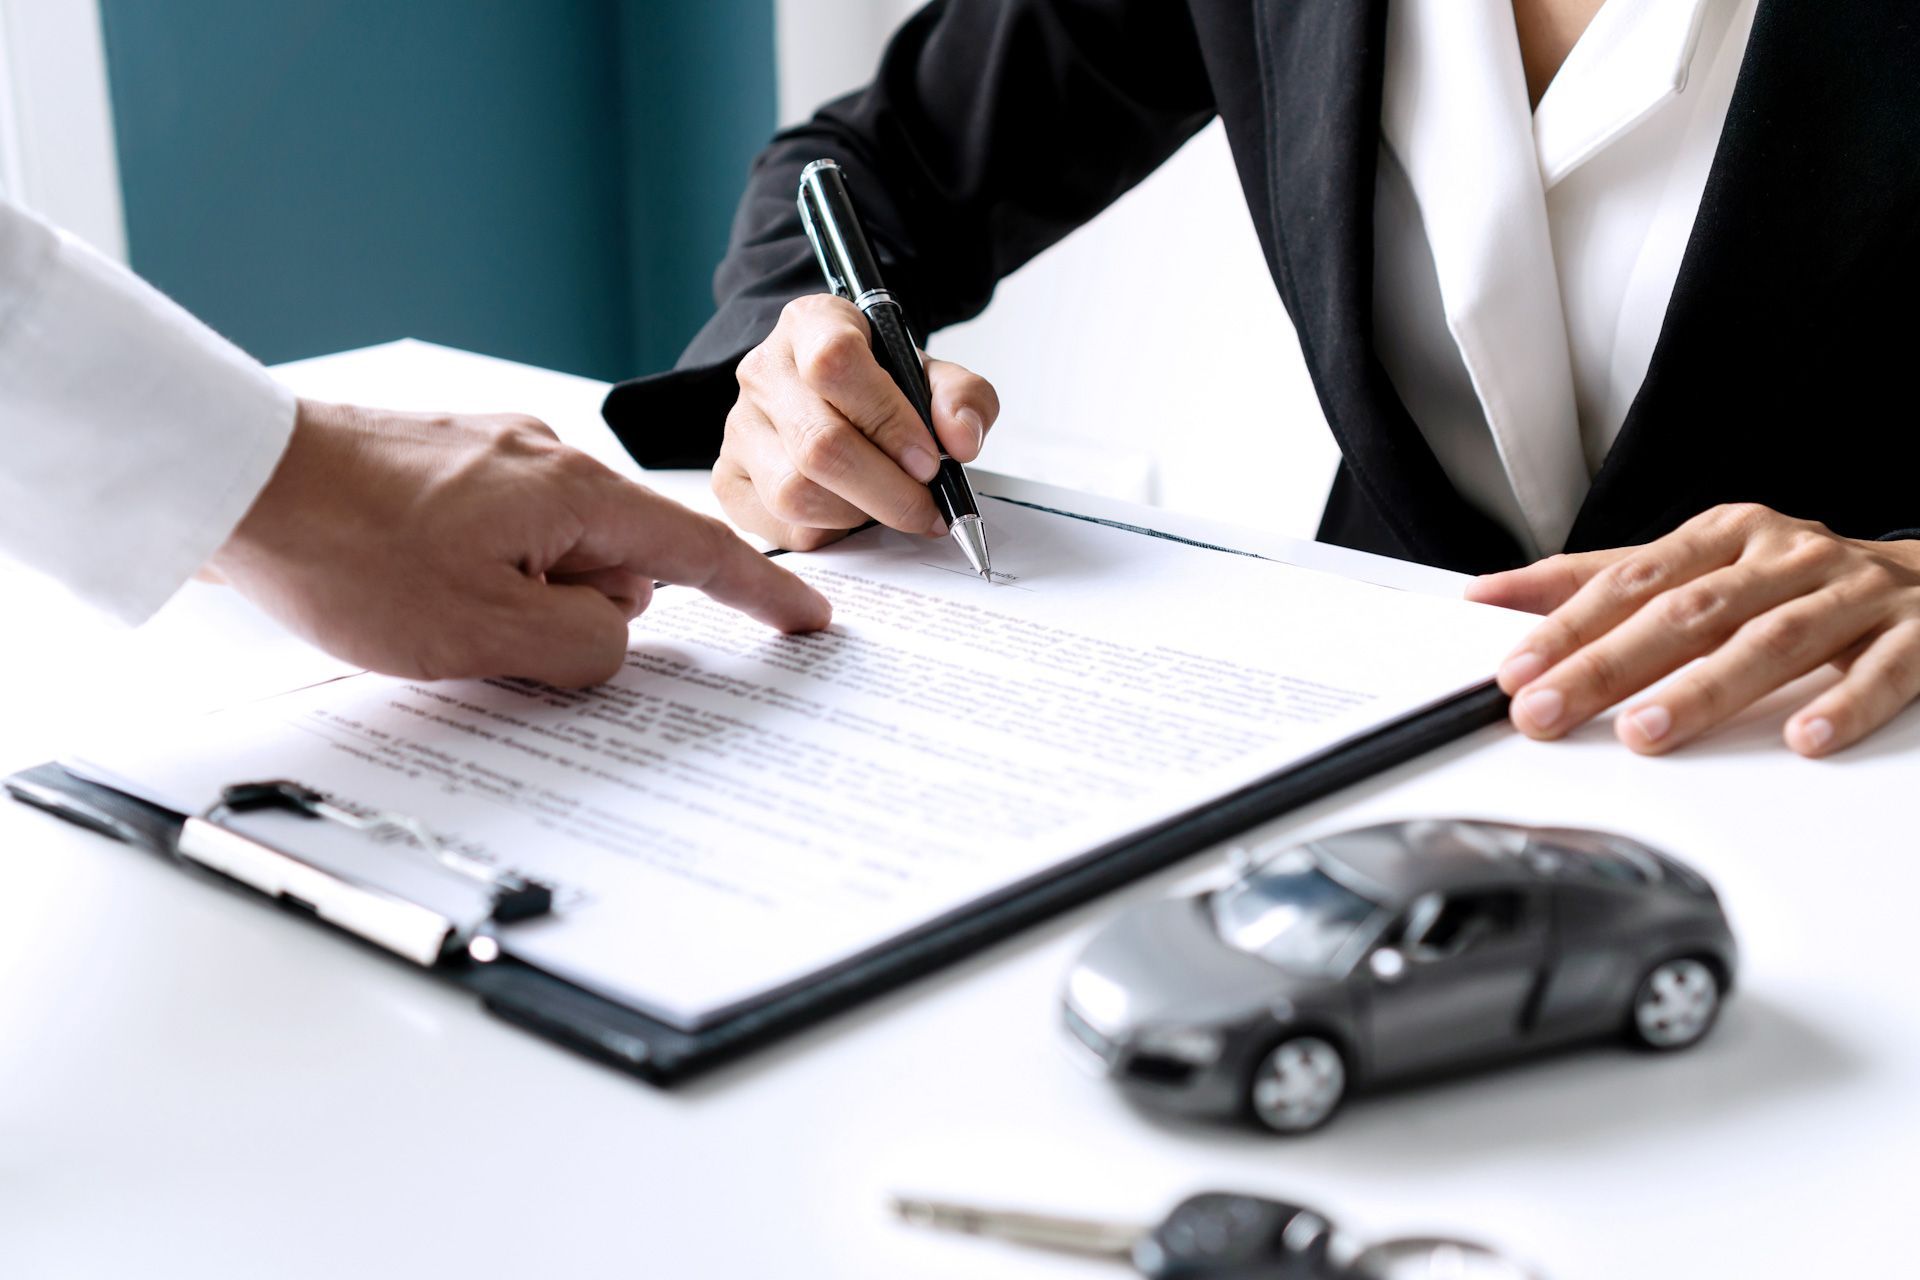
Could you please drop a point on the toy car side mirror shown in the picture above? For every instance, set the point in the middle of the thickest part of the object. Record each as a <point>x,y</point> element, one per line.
<point>1388,964</point>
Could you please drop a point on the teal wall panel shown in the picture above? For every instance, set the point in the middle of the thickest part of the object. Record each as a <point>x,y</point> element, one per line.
<point>493,174</point>
<point>701,100</point>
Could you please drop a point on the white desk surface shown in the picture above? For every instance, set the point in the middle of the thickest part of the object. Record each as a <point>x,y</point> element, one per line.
<point>191,1084</point>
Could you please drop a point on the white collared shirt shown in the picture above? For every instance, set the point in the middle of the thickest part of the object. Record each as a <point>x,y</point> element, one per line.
<point>132,437</point>
<point>1524,259</point>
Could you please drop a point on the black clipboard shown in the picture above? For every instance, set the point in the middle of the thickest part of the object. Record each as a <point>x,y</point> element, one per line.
<point>661,1054</point>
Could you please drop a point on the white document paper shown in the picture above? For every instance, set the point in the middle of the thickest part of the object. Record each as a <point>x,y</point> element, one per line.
<point>739,809</point>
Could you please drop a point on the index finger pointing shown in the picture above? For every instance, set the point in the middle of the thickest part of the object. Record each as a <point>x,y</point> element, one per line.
<point>662,538</point>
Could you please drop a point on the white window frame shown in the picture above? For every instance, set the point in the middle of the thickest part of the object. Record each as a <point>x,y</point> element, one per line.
<point>57,152</point>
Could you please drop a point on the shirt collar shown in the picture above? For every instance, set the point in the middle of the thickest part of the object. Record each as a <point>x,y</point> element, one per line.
<point>1633,56</point>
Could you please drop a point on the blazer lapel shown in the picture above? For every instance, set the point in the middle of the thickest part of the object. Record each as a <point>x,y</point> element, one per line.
<point>1778,232</point>
<point>1321,68</point>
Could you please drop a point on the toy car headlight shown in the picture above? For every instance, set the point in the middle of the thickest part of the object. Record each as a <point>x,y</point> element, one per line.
<point>1098,999</point>
<point>1196,1045</point>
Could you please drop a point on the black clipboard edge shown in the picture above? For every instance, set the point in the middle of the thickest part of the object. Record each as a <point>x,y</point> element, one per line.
<point>632,1042</point>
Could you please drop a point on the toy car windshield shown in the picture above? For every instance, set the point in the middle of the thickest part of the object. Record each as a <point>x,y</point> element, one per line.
<point>1292,914</point>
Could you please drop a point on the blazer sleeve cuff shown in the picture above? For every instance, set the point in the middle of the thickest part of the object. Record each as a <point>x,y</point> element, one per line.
<point>674,419</point>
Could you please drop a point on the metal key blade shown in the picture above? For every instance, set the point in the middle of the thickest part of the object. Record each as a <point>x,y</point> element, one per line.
<point>1039,1230</point>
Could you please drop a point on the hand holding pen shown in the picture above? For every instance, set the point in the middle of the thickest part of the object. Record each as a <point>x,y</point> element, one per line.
<point>822,439</point>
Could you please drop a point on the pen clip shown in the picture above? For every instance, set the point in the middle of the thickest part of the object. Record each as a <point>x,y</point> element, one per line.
<point>836,280</point>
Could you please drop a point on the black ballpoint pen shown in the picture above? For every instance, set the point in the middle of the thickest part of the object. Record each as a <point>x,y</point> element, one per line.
<point>853,273</point>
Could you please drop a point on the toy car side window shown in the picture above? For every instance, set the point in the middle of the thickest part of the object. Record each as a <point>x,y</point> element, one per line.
<point>1462,921</point>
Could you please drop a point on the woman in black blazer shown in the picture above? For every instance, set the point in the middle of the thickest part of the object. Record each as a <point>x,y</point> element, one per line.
<point>1756,508</point>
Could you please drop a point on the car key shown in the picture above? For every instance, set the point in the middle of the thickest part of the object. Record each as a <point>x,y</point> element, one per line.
<point>1212,1236</point>
<point>1220,1235</point>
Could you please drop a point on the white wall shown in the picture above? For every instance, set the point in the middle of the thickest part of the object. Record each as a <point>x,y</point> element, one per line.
<point>1146,356</point>
<point>10,181</point>
<point>56,123</point>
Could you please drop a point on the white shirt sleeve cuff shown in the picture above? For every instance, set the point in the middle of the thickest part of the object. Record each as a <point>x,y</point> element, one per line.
<point>132,437</point>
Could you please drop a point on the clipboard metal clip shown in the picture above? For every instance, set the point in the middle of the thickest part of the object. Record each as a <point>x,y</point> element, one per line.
<point>456,922</point>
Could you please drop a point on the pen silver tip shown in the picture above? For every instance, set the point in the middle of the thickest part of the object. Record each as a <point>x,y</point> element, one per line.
<point>967,531</point>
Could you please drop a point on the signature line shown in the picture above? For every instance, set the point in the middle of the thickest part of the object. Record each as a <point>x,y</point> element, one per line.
<point>999,579</point>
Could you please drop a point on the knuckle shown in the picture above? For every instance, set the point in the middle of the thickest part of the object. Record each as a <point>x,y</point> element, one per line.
<point>833,358</point>
<point>1600,670</point>
<point>799,311</point>
<point>822,449</point>
<point>957,387</point>
<point>1553,637</point>
<point>577,465</point>
<point>1691,608</point>
<point>512,440</point>
<point>963,384</point>
<point>509,435</point>
<point>1634,577</point>
<point>752,370</point>
<point>1783,637</point>
<point>520,429</point>
<point>1700,699</point>
<point>1812,551</point>
<point>811,307</point>
<point>743,420</point>
<point>739,496</point>
<point>991,401</point>
<point>1900,668</point>
<point>729,483</point>
<point>794,499</point>
<point>1740,517</point>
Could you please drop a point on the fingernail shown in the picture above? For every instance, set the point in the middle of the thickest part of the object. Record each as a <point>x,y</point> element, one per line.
<point>1814,734</point>
<point>1651,722</point>
<point>1520,668</point>
<point>1540,707</point>
<point>939,526</point>
<point>971,420</point>
<point>920,464</point>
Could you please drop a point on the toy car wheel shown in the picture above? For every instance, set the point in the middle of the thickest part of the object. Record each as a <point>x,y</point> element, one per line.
<point>1298,1085</point>
<point>1676,1005</point>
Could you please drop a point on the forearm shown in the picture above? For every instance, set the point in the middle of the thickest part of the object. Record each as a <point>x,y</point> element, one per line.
<point>132,437</point>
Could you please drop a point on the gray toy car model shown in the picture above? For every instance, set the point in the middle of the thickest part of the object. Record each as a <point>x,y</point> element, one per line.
<point>1392,952</point>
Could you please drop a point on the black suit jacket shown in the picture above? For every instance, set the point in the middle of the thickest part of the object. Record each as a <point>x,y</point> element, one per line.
<point>1784,372</point>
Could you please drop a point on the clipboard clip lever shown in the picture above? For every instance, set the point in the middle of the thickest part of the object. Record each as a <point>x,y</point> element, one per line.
<point>359,901</point>
<point>514,896</point>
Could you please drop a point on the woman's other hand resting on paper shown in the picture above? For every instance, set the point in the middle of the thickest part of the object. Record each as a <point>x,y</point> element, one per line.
<point>1762,598</point>
<point>435,547</point>
<point>821,440</point>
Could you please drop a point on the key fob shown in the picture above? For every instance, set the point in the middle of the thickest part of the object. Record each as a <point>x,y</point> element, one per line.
<point>1221,1236</point>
